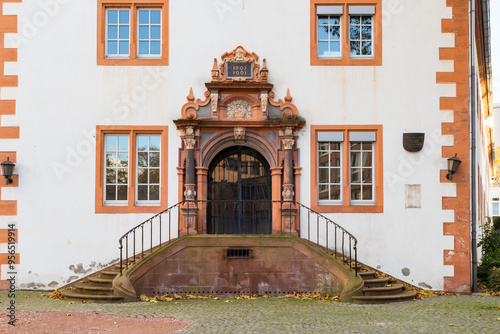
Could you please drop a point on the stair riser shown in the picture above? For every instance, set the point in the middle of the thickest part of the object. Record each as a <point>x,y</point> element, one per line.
<point>94,293</point>
<point>383,293</point>
<point>98,301</point>
<point>374,285</point>
<point>365,277</point>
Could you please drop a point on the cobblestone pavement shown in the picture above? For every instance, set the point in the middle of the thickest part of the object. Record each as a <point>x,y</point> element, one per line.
<point>445,314</point>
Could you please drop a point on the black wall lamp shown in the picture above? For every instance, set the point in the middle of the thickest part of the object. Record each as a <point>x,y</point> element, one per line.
<point>8,170</point>
<point>453,164</point>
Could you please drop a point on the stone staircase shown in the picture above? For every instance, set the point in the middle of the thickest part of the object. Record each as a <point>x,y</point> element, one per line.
<point>97,289</point>
<point>382,290</point>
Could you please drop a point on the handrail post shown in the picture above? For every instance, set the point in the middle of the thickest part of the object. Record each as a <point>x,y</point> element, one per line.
<point>121,256</point>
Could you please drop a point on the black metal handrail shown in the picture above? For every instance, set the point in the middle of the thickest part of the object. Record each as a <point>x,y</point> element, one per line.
<point>296,219</point>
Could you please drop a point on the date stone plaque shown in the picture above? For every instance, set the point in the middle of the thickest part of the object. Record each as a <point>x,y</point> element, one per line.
<point>239,69</point>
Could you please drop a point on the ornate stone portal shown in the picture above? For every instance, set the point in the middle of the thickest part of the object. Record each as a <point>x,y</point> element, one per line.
<point>239,108</point>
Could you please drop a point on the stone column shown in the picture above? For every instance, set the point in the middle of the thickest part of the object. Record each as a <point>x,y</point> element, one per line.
<point>288,209</point>
<point>189,208</point>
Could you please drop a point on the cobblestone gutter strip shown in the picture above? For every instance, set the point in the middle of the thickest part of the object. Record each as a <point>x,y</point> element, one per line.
<point>445,314</point>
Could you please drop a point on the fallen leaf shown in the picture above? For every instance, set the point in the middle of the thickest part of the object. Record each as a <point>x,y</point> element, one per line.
<point>228,301</point>
<point>451,325</point>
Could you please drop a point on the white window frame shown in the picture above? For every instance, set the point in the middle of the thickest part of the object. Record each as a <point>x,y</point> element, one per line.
<point>361,40</point>
<point>149,56</point>
<point>117,151</point>
<point>493,202</point>
<point>339,56</point>
<point>137,167</point>
<point>106,25</point>
<point>361,201</point>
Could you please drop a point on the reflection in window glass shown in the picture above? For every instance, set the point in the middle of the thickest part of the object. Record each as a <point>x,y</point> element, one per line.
<point>361,171</point>
<point>148,167</point>
<point>496,208</point>
<point>329,31</point>
<point>117,32</point>
<point>361,35</point>
<point>149,35</point>
<point>116,168</point>
<point>330,171</point>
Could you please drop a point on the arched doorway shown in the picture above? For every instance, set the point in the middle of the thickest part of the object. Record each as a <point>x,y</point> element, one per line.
<point>239,193</point>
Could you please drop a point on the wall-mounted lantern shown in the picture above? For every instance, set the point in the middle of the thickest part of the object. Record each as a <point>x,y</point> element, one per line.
<point>8,170</point>
<point>453,164</point>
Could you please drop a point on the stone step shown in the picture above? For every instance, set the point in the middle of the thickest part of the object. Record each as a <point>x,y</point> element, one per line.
<point>109,273</point>
<point>86,288</point>
<point>365,275</point>
<point>405,296</point>
<point>79,296</point>
<point>393,289</point>
<point>101,280</point>
<point>376,282</point>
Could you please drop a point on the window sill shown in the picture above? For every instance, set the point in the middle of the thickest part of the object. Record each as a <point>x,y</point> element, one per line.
<point>132,62</point>
<point>348,209</point>
<point>128,209</point>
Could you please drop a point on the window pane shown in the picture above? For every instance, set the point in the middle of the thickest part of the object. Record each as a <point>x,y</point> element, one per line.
<point>354,32</point>
<point>112,32</point>
<point>366,32</point>
<point>124,32</point>
<point>122,176</point>
<point>335,33</point>
<point>124,48</point>
<point>367,48</point>
<point>335,175</point>
<point>122,160</point>
<point>335,48</point>
<point>367,146</point>
<point>110,175</point>
<point>335,193</point>
<point>110,193</point>
<point>112,48</point>
<point>323,192</point>
<point>123,143</point>
<point>112,16</point>
<point>154,176</point>
<point>355,192</point>
<point>355,159</point>
<point>355,175</point>
<point>142,176</point>
<point>367,193</point>
<point>323,175</point>
<point>366,20</point>
<point>354,19</point>
<point>323,20</point>
<point>155,32</point>
<point>142,159</point>
<point>154,143</point>
<point>323,49</point>
<point>324,146</point>
<point>156,16</point>
<point>355,48</point>
<point>323,32</point>
<point>154,193</point>
<point>367,175</point>
<point>144,17</point>
<point>111,143</point>
<point>142,193</point>
<point>111,159</point>
<point>335,146</point>
<point>355,146</point>
<point>155,48</point>
<point>143,32</point>
<point>122,193</point>
<point>142,143</point>
<point>367,159</point>
<point>144,48</point>
<point>335,20</point>
<point>335,159</point>
<point>154,159</point>
<point>124,17</point>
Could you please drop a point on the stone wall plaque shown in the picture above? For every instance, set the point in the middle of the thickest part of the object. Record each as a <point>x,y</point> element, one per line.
<point>413,141</point>
<point>239,69</point>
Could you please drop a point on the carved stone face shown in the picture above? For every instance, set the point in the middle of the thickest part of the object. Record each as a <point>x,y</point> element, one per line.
<point>239,133</point>
<point>239,54</point>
